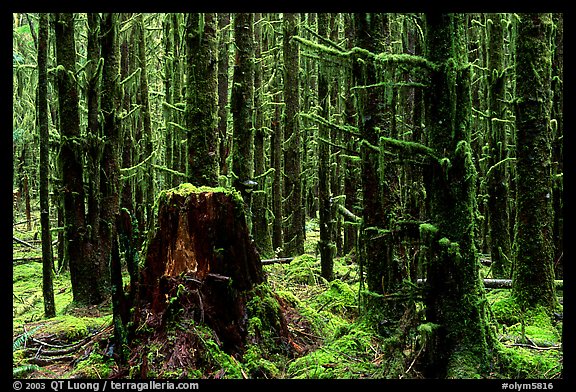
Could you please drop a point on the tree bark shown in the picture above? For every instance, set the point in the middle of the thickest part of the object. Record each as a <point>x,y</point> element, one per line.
<point>82,273</point>
<point>533,274</point>
<point>500,246</point>
<point>325,244</point>
<point>202,99</point>
<point>459,346</point>
<point>47,264</point>
<point>202,243</point>
<point>242,106</point>
<point>293,211</point>
<point>260,228</point>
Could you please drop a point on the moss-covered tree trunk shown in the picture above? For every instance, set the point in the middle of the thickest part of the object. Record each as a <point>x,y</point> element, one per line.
<point>202,98</point>
<point>224,28</point>
<point>260,228</point>
<point>293,211</point>
<point>351,169</point>
<point>242,106</point>
<point>148,175</point>
<point>126,68</point>
<point>110,174</point>
<point>497,182</point>
<point>533,276</point>
<point>93,140</point>
<point>47,259</point>
<point>376,250</point>
<point>83,275</point>
<point>168,106</point>
<point>325,244</point>
<point>458,345</point>
<point>558,144</point>
<point>276,141</point>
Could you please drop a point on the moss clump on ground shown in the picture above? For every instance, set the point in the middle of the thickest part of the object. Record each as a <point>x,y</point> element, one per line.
<point>96,366</point>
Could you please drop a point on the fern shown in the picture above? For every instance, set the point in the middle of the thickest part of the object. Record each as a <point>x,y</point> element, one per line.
<point>21,340</point>
<point>24,369</point>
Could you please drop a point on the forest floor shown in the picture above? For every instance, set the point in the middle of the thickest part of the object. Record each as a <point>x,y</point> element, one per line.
<point>332,338</point>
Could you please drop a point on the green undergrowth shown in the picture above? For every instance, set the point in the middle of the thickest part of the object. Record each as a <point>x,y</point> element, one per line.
<point>529,342</point>
<point>331,336</point>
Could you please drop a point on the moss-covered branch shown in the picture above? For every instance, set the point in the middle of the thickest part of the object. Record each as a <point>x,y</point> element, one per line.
<point>356,52</point>
<point>410,148</point>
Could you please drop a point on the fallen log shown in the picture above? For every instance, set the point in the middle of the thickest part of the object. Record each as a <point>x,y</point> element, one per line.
<point>26,260</point>
<point>280,260</point>
<point>18,240</point>
<point>503,283</point>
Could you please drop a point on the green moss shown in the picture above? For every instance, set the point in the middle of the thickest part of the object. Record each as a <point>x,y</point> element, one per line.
<point>504,308</point>
<point>96,366</point>
<point>304,269</point>
<point>71,328</point>
<point>524,363</point>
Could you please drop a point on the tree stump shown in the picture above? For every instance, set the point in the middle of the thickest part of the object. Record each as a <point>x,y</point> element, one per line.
<point>200,264</point>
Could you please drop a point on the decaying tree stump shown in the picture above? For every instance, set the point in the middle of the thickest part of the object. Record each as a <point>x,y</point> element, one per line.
<point>200,264</point>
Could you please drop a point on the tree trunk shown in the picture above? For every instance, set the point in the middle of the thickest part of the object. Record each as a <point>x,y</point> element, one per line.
<point>242,106</point>
<point>500,246</point>
<point>377,253</point>
<point>82,273</point>
<point>47,260</point>
<point>325,245</point>
<point>293,211</point>
<point>459,345</point>
<point>224,28</point>
<point>148,182</point>
<point>533,274</point>
<point>110,177</point>
<point>202,99</point>
<point>260,228</point>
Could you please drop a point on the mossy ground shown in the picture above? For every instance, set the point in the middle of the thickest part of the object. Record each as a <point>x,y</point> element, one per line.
<point>331,337</point>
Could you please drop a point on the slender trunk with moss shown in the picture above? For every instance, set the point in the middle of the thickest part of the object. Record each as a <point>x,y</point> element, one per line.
<point>126,68</point>
<point>242,106</point>
<point>557,145</point>
<point>83,275</point>
<point>458,345</point>
<point>260,231</point>
<point>325,245</point>
<point>202,99</point>
<point>351,168</point>
<point>293,211</point>
<point>372,112</point>
<point>148,180</point>
<point>110,106</point>
<point>224,29</point>
<point>277,139</point>
<point>167,108</point>
<point>47,262</point>
<point>533,276</point>
<point>497,187</point>
<point>94,143</point>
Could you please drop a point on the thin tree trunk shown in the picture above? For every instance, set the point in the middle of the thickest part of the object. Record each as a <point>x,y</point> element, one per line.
<point>293,211</point>
<point>109,180</point>
<point>325,245</point>
<point>224,28</point>
<point>260,229</point>
<point>202,99</point>
<point>47,262</point>
<point>500,247</point>
<point>242,106</point>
